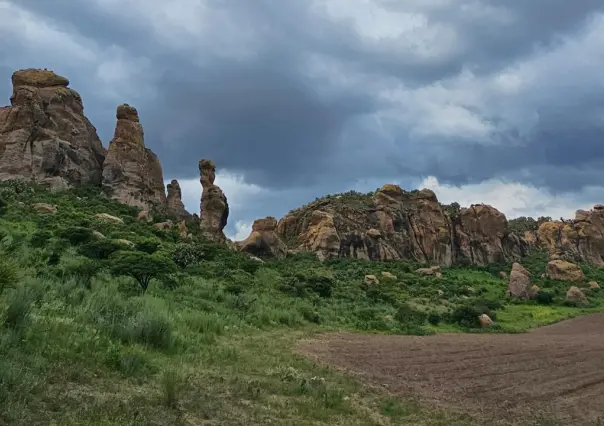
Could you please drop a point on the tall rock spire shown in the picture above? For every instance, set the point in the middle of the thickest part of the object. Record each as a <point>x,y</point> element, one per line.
<point>214,208</point>
<point>131,171</point>
<point>45,136</point>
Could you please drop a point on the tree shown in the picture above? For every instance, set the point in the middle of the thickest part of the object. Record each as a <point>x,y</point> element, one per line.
<point>141,266</point>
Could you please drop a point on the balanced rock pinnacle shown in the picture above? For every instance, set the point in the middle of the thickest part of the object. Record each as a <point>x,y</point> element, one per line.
<point>45,136</point>
<point>174,205</point>
<point>214,208</point>
<point>131,171</point>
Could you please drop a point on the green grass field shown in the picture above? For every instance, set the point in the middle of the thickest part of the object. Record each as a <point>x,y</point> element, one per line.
<point>212,339</point>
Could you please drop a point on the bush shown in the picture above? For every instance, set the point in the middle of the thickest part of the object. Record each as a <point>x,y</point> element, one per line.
<point>408,315</point>
<point>8,274</point>
<point>467,315</point>
<point>40,238</point>
<point>185,255</point>
<point>141,266</point>
<point>19,308</point>
<point>101,249</point>
<point>544,298</point>
<point>153,330</point>
<point>76,235</point>
<point>148,246</point>
<point>434,318</point>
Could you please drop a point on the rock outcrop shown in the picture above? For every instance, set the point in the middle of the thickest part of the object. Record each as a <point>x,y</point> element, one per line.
<point>214,207</point>
<point>561,270</point>
<point>131,171</point>
<point>577,240</point>
<point>263,241</point>
<point>396,224</point>
<point>174,205</point>
<point>45,136</point>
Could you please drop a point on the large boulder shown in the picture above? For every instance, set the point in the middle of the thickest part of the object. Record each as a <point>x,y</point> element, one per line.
<point>131,172</point>
<point>263,241</point>
<point>45,136</point>
<point>561,270</point>
<point>520,282</point>
<point>214,207</point>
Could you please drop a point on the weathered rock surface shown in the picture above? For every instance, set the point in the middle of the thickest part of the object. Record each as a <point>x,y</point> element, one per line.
<point>174,205</point>
<point>45,136</point>
<point>395,224</point>
<point>574,294</point>
<point>263,241</point>
<point>520,282</point>
<point>577,240</point>
<point>561,270</point>
<point>214,207</point>
<point>131,171</point>
<point>485,320</point>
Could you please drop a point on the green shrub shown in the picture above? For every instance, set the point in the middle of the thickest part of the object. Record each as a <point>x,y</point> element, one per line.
<point>185,255</point>
<point>434,318</point>
<point>151,329</point>
<point>544,298</point>
<point>76,235</point>
<point>100,249</point>
<point>19,308</point>
<point>467,315</point>
<point>40,238</point>
<point>408,315</point>
<point>141,266</point>
<point>8,273</point>
<point>148,246</point>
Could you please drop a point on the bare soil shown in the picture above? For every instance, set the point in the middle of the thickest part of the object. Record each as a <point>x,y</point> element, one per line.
<point>554,373</point>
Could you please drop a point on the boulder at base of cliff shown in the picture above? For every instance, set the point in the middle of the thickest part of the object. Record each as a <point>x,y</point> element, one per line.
<point>263,241</point>
<point>562,270</point>
<point>575,295</point>
<point>520,282</point>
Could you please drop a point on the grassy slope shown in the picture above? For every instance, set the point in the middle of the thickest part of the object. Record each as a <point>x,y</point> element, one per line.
<point>212,344</point>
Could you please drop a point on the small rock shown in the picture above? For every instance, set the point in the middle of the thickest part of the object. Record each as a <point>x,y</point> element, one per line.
<point>534,291</point>
<point>256,259</point>
<point>125,243</point>
<point>574,294</point>
<point>144,216</point>
<point>44,208</point>
<point>485,320</point>
<point>470,290</point>
<point>433,270</point>
<point>388,275</point>
<point>503,275</point>
<point>440,293</point>
<point>98,235</point>
<point>164,225</point>
<point>593,285</point>
<point>371,280</point>
<point>108,218</point>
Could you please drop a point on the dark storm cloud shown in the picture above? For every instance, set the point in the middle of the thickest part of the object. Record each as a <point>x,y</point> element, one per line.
<point>264,116</point>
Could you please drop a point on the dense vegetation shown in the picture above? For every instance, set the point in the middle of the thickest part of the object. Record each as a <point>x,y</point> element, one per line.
<point>109,323</point>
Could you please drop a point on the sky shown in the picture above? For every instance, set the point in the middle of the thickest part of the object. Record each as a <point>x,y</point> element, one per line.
<point>500,102</point>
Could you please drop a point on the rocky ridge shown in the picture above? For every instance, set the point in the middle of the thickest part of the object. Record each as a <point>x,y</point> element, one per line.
<point>395,224</point>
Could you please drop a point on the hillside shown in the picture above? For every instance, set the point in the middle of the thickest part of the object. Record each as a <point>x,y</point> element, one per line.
<point>211,339</point>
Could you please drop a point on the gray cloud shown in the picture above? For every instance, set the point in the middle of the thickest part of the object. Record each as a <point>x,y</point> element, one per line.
<point>288,95</point>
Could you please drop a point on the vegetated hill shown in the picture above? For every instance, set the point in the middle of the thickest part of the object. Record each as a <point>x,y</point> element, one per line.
<point>210,340</point>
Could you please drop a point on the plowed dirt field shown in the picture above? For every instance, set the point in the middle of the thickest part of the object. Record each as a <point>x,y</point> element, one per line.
<point>555,372</point>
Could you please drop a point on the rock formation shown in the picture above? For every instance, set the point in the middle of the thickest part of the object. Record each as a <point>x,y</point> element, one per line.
<point>174,205</point>
<point>263,240</point>
<point>578,240</point>
<point>131,171</point>
<point>214,208</point>
<point>520,282</point>
<point>561,270</point>
<point>396,224</point>
<point>45,136</point>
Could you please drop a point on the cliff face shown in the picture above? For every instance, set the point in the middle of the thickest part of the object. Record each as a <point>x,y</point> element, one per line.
<point>577,240</point>
<point>131,171</point>
<point>45,136</point>
<point>395,224</point>
<point>214,207</point>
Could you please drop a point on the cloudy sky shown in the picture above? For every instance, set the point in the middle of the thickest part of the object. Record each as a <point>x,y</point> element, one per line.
<point>480,100</point>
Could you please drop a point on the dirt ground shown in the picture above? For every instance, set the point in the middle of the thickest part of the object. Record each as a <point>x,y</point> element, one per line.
<point>554,373</point>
